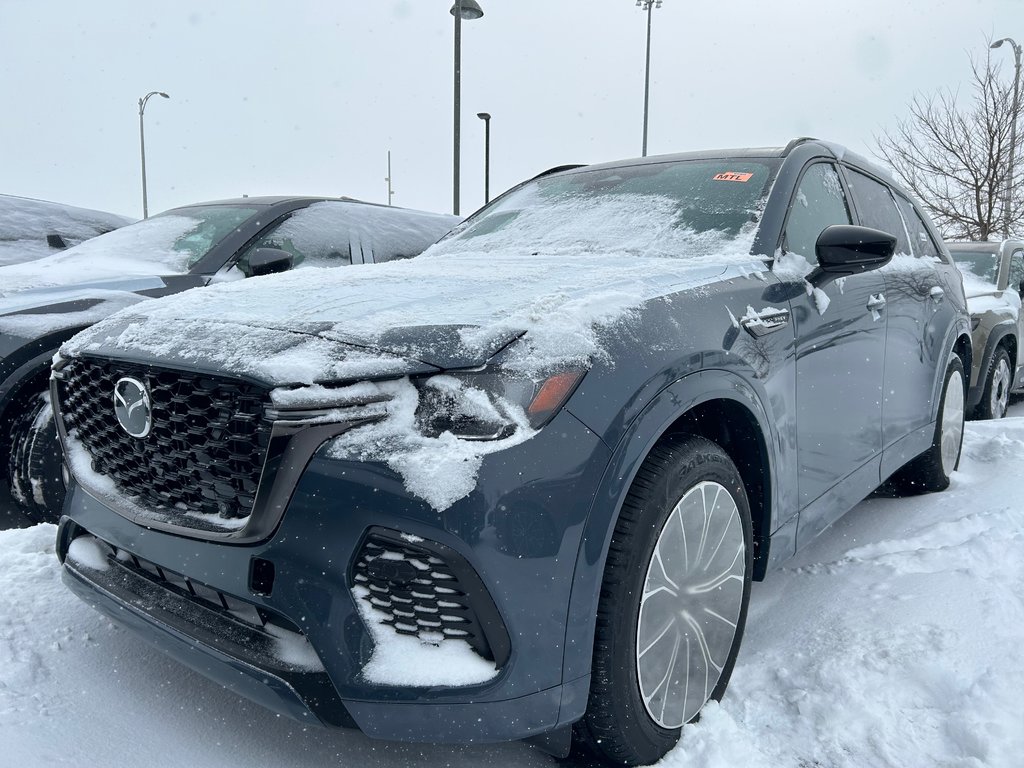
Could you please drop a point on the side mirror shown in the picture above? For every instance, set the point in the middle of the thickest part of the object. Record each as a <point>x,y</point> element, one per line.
<point>843,249</point>
<point>266,261</point>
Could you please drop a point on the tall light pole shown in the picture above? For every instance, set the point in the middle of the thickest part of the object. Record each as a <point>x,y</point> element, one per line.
<point>142,144</point>
<point>391,192</point>
<point>649,6</point>
<point>486,117</point>
<point>468,10</point>
<point>1008,200</point>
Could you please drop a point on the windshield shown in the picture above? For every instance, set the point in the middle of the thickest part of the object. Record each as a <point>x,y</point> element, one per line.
<point>978,266</point>
<point>167,244</point>
<point>682,209</point>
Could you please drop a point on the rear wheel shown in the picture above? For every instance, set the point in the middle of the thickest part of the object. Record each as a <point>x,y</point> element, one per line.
<point>996,397</point>
<point>673,602</point>
<point>35,462</point>
<point>932,469</point>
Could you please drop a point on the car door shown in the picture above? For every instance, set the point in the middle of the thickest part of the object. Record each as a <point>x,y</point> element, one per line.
<point>918,315</point>
<point>840,343</point>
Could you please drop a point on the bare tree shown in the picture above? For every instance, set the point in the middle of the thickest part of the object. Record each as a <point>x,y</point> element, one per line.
<point>954,158</point>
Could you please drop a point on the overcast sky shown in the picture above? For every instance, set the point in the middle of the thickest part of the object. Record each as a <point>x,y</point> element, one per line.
<point>307,97</point>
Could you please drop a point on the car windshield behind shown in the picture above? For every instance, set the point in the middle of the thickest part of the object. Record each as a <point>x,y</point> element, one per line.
<point>978,265</point>
<point>683,209</point>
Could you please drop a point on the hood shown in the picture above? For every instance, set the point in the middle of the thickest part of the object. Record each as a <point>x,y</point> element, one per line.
<point>35,312</point>
<point>439,310</point>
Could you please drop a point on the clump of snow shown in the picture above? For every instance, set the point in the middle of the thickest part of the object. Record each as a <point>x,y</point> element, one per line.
<point>821,299</point>
<point>26,223</point>
<point>87,551</point>
<point>438,469</point>
<point>294,649</point>
<point>400,660</point>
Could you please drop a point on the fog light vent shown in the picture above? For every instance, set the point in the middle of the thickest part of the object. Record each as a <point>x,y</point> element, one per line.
<point>429,591</point>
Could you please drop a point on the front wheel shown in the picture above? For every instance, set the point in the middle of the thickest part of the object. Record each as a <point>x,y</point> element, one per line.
<point>996,397</point>
<point>35,462</point>
<point>673,602</point>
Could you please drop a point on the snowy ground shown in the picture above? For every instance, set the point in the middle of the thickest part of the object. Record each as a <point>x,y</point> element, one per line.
<point>894,640</point>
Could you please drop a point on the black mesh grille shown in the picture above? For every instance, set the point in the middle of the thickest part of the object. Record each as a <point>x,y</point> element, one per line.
<point>423,591</point>
<point>205,451</point>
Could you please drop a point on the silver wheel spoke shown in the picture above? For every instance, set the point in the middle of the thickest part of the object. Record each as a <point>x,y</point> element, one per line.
<point>690,605</point>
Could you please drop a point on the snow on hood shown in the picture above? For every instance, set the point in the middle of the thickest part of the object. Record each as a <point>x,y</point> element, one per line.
<point>450,310</point>
<point>553,275</point>
<point>139,250</point>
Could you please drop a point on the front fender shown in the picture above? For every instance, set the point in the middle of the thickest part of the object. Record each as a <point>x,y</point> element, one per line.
<point>997,334</point>
<point>664,410</point>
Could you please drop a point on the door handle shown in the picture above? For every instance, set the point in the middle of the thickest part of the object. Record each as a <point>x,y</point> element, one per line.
<point>937,294</point>
<point>876,303</point>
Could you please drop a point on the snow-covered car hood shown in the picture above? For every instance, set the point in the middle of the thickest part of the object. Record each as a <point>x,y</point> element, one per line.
<point>443,310</point>
<point>34,312</point>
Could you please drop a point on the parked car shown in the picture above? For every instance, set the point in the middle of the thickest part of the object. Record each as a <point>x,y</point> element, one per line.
<point>993,280</point>
<point>518,487</point>
<point>31,229</point>
<point>45,302</point>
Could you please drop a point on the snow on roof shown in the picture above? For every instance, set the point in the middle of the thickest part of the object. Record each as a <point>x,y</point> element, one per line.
<point>143,248</point>
<point>25,224</point>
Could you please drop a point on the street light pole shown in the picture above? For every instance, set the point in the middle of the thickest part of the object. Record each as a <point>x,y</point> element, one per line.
<point>468,10</point>
<point>486,117</point>
<point>142,144</point>
<point>391,192</point>
<point>1008,199</point>
<point>649,6</point>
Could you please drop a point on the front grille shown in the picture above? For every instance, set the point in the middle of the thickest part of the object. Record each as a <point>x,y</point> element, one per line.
<point>426,590</point>
<point>200,464</point>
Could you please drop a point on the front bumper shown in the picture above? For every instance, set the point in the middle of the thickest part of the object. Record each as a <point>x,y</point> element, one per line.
<point>519,531</point>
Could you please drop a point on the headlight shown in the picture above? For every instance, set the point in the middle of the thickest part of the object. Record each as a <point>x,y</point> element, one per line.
<point>490,405</point>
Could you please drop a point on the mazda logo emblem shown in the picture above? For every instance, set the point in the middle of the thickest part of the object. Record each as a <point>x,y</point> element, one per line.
<point>132,407</point>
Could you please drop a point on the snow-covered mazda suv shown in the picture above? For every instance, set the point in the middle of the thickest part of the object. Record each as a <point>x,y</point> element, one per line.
<point>517,487</point>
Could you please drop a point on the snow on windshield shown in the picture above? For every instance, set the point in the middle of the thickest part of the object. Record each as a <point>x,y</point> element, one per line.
<point>626,225</point>
<point>25,224</point>
<point>144,248</point>
<point>980,270</point>
<point>332,232</point>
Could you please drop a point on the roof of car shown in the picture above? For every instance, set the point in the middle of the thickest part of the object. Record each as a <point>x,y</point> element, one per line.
<point>836,150</point>
<point>982,246</point>
<point>267,200</point>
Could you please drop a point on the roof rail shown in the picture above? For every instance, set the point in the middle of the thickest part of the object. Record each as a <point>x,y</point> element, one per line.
<point>796,143</point>
<point>557,169</point>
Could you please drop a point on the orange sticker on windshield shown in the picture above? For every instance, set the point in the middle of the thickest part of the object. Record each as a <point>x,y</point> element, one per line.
<point>730,176</point>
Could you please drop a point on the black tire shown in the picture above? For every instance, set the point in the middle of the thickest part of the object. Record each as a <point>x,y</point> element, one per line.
<point>998,380</point>
<point>929,473</point>
<point>618,726</point>
<point>35,462</point>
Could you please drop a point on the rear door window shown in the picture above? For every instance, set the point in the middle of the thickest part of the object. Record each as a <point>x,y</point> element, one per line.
<point>920,239</point>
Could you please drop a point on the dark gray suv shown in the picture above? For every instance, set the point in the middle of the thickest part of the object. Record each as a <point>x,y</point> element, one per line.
<point>518,487</point>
